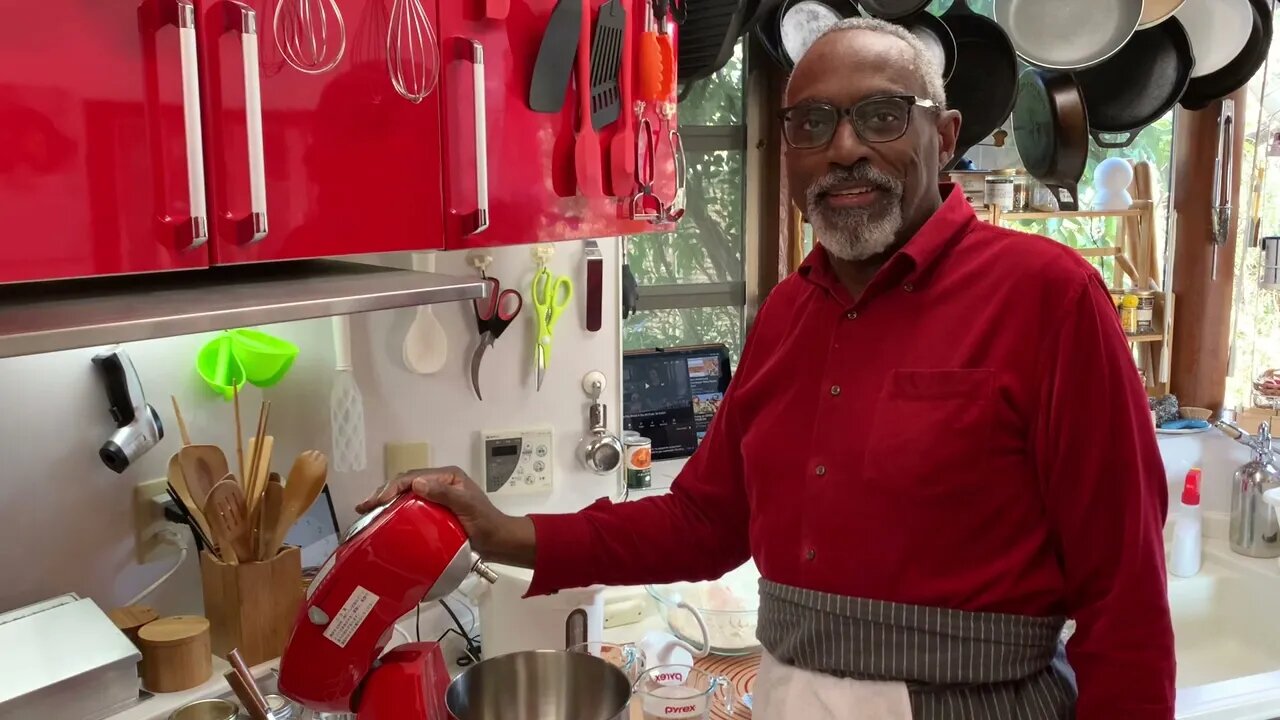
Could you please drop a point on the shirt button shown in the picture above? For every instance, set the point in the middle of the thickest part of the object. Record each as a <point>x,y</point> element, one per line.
<point>851,315</point>
<point>835,389</point>
<point>810,555</point>
<point>820,470</point>
<point>909,287</point>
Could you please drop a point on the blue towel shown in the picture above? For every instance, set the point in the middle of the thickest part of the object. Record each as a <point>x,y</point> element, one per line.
<point>1185,424</point>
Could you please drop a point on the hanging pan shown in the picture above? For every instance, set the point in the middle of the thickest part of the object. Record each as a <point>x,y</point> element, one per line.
<point>893,9</point>
<point>1155,12</point>
<point>936,37</point>
<point>1060,35</point>
<point>1051,128</point>
<point>1116,104</point>
<point>1219,31</point>
<point>1205,89</point>
<point>985,80</point>
<point>801,22</point>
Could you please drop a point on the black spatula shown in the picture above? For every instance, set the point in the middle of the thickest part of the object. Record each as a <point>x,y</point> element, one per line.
<point>551,71</point>
<point>606,57</point>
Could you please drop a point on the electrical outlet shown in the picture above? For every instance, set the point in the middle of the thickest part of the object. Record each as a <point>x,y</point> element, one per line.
<point>148,517</point>
<point>400,458</point>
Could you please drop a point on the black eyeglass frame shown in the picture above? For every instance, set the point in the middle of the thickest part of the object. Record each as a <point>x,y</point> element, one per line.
<point>846,113</point>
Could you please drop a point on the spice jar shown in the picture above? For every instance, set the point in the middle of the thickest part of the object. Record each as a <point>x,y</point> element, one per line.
<point>1000,185</point>
<point>1146,311</point>
<point>1129,313</point>
<point>1022,188</point>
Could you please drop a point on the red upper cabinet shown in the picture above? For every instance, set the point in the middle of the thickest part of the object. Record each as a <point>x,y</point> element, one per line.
<point>527,159</point>
<point>308,160</point>
<point>100,145</point>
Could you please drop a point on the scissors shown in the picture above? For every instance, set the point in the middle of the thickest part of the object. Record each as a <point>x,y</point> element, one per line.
<point>494,314</point>
<point>551,295</point>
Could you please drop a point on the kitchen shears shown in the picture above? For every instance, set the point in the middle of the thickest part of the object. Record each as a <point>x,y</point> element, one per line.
<point>551,295</point>
<point>494,314</point>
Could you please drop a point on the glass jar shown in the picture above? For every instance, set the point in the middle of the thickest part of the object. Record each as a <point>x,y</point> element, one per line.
<point>999,189</point>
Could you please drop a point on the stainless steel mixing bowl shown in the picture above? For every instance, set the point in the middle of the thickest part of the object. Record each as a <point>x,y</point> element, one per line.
<point>540,685</point>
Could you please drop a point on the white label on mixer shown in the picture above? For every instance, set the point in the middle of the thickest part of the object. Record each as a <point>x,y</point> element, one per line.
<point>351,616</point>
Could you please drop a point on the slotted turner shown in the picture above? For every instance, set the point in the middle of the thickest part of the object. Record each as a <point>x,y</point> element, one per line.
<point>606,57</point>
<point>229,520</point>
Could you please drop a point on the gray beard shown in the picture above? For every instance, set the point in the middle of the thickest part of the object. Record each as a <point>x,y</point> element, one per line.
<point>855,234</point>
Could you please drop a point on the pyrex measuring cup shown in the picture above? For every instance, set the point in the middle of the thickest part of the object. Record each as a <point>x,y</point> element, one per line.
<point>681,692</point>
<point>627,658</point>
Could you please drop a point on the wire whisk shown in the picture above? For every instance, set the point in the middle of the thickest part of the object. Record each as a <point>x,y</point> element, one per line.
<point>302,29</point>
<point>413,58</point>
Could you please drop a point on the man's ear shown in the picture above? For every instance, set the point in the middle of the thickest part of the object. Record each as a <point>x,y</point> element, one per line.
<point>948,134</point>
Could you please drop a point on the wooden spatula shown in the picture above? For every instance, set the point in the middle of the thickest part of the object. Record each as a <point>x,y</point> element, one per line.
<point>179,483</point>
<point>306,480</point>
<point>202,467</point>
<point>225,510</point>
<point>269,509</point>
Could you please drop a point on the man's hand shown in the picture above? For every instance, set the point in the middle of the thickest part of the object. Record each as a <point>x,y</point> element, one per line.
<point>494,534</point>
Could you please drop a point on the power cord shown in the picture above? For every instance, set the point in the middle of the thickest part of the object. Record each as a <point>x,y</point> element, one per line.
<point>473,649</point>
<point>171,535</point>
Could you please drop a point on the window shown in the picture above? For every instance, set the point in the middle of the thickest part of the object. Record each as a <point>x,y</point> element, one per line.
<point>1255,345</point>
<point>692,281</point>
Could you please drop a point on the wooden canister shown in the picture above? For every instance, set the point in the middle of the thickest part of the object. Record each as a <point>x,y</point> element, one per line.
<point>176,653</point>
<point>131,618</point>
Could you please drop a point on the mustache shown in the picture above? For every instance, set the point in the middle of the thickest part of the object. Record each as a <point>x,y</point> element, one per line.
<point>862,173</point>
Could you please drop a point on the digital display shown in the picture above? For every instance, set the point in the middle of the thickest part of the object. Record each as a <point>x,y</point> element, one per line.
<point>670,396</point>
<point>505,450</point>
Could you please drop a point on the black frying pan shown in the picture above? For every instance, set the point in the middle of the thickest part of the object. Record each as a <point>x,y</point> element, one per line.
<point>893,9</point>
<point>1139,84</point>
<point>1202,91</point>
<point>922,24</point>
<point>769,30</point>
<point>985,81</point>
<point>1051,129</point>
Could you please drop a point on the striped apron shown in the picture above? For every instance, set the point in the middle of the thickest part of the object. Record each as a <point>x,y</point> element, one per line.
<point>957,665</point>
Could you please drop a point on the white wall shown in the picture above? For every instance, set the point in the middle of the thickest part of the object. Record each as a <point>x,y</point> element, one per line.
<point>66,521</point>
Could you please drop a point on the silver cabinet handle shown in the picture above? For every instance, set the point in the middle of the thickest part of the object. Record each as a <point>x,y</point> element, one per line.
<point>248,29</point>
<point>482,137</point>
<point>199,221</point>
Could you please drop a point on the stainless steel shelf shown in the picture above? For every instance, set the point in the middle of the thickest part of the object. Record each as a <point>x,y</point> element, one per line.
<point>51,316</point>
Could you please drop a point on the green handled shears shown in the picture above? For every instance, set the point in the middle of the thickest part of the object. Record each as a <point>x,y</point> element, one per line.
<point>551,295</point>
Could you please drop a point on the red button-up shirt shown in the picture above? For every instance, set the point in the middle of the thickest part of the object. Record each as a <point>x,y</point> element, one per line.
<point>969,433</point>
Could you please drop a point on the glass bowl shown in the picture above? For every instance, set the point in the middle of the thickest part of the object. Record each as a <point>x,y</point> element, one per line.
<point>729,607</point>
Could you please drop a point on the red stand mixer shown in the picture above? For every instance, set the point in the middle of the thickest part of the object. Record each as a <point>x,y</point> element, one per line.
<point>401,554</point>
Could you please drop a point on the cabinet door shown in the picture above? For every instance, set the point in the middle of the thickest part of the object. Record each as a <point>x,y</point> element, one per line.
<point>531,181</point>
<point>310,164</point>
<point>100,158</point>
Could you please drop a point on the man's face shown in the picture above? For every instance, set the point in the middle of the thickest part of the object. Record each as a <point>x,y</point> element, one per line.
<point>859,195</point>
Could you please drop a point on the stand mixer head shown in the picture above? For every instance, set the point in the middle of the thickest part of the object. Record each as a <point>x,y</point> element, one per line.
<point>404,553</point>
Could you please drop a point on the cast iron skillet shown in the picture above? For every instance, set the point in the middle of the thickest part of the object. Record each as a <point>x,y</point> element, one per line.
<point>985,80</point>
<point>1202,91</point>
<point>707,37</point>
<point>893,9</point>
<point>1051,129</point>
<point>934,26</point>
<point>1139,84</point>
<point>769,29</point>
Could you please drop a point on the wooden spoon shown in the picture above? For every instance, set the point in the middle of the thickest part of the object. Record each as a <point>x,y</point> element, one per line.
<point>306,480</point>
<point>179,483</point>
<point>224,507</point>
<point>202,467</point>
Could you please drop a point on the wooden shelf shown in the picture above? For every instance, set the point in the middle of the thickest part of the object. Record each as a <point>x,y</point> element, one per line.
<point>1096,252</point>
<point>1149,337</point>
<point>1068,215</point>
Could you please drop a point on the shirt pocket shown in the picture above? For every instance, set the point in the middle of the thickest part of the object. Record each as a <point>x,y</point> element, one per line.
<point>932,431</point>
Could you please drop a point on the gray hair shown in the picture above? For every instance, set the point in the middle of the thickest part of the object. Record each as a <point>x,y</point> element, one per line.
<point>923,63</point>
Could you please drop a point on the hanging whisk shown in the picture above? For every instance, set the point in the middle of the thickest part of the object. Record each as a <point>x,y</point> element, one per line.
<point>371,34</point>
<point>311,34</point>
<point>412,56</point>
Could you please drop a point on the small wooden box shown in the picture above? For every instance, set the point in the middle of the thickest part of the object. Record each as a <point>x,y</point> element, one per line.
<point>252,606</point>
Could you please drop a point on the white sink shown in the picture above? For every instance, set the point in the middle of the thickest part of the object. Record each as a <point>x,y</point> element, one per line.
<point>1226,623</point>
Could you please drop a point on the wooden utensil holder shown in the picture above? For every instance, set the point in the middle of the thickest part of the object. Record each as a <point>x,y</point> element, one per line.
<point>252,606</point>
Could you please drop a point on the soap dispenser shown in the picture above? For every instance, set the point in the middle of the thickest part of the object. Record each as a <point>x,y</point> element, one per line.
<point>1187,552</point>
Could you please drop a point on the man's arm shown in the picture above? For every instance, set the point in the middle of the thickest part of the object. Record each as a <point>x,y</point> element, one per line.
<point>1106,498</point>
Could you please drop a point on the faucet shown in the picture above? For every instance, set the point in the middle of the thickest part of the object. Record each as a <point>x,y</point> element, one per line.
<point>1255,528</point>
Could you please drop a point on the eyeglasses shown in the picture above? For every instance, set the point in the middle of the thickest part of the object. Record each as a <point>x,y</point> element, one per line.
<point>875,120</point>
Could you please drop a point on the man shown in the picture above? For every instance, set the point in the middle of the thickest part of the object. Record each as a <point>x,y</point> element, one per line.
<point>936,447</point>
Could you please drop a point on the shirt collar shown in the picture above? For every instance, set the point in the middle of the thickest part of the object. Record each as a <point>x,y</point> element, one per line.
<point>921,253</point>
